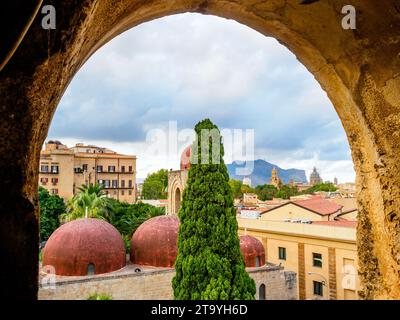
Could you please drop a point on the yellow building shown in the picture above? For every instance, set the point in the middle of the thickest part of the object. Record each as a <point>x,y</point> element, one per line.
<point>63,170</point>
<point>322,253</point>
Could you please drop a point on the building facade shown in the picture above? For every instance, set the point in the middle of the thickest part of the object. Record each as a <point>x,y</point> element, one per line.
<point>64,170</point>
<point>322,254</point>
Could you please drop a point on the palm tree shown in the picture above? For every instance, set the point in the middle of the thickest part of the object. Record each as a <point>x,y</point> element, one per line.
<point>91,198</point>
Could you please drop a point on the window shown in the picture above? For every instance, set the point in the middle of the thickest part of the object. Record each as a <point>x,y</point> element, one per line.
<point>130,183</point>
<point>317,260</point>
<point>54,181</point>
<point>122,183</point>
<point>106,183</point>
<point>90,269</point>
<point>99,168</point>
<point>54,191</point>
<point>122,168</point>
<point>282,253</point>
<point>130,192</point>
<point>261,292</point>
<point>318,288</point>
<point>258,261</point>
<point>84,167</point>
<point>54,169</point>
<point>122,192</point>
<point>130,168</point>
<point>115,183</point>
<point>111,168</point>
<point>44,169</point>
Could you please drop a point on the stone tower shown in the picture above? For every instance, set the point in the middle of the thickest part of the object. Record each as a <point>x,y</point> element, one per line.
<point>315,177</point>
<point>275,181</point>
<point>335,181</point>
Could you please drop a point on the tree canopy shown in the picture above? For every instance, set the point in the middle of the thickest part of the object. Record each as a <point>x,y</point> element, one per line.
<point>209,264</point>
<point>91,198</point>
<point>155,185</point>
<point>324,186</point>
<point>51,207</point>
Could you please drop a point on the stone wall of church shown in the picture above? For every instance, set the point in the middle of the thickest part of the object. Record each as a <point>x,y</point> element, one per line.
<point>176,180</point>
<point>156,285</point>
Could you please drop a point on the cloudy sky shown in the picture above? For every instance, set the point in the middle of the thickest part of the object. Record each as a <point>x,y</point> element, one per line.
<point>187,67</point>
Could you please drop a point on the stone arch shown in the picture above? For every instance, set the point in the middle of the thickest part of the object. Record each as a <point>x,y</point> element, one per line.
<point>177,200</point>
<point>362,80</point>
<point>261,292</point>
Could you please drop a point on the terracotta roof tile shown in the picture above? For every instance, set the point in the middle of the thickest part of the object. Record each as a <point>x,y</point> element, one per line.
<point>319,205</point>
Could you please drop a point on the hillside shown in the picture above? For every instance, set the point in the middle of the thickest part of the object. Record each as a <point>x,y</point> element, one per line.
<point>262,173</point>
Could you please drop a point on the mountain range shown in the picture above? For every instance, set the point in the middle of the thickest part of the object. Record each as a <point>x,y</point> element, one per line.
<point>261,173</point>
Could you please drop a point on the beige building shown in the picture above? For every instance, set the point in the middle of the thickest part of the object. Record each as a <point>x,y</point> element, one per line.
<point>63,170</point>
<point>323,254</point>
<point>306,210</point>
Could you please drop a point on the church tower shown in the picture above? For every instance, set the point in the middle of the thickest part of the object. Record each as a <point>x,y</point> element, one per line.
<point>275,181</point>
<point>315,177</point>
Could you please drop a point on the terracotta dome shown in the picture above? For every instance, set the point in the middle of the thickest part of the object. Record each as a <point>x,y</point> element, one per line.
<point>85,246</point>
<point>154,243</point>
<point>253,251</point>
<point>185,158</point>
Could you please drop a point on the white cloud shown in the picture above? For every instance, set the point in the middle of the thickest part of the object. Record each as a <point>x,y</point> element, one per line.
<point>188,67</point>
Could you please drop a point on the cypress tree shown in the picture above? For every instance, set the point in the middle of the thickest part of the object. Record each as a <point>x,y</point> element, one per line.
<point>209,264</point>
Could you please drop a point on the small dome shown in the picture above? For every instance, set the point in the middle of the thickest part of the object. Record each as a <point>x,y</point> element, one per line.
<point>85,246</point>
<point>155,242</point>
<point>185,158</point>
<point>253,251</point>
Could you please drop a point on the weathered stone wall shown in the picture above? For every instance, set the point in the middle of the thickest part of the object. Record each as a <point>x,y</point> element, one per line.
<point>156,285</point>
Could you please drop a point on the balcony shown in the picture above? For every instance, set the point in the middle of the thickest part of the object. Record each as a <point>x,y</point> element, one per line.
<point>49,172</point>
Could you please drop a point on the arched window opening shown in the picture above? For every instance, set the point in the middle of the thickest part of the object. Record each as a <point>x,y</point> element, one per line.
<point>177,200</point>
<point>90,269</point>
<point>261,292</point>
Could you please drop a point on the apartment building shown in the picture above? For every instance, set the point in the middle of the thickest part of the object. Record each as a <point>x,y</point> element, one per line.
<point>315,238</point>
<point>63,170</point>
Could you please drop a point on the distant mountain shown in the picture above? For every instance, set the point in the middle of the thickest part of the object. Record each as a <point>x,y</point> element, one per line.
<point>261,173</point>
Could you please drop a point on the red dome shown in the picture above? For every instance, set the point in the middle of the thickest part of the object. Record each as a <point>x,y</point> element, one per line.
<point>253,251</point>
<point>154,243</point>
<point>85,246</point>
<point>185,158</point>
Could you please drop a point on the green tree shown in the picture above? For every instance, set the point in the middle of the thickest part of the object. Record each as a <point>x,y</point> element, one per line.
<point>126,218</point>
<point>90,197</point>
<point>236,186</point>
<point>155,185</point>
<point>209,264</point>
<point>327,187</point>
<point>51,207</point>
<point>286,191</point>
<point>266,192</point>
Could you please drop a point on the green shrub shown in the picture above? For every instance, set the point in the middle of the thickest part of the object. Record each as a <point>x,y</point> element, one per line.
<point>99,297</point>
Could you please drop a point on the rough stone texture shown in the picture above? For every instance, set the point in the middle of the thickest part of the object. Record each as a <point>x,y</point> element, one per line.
<point>156,285</point>
<point>359,69</point>
<point>76,244</point>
